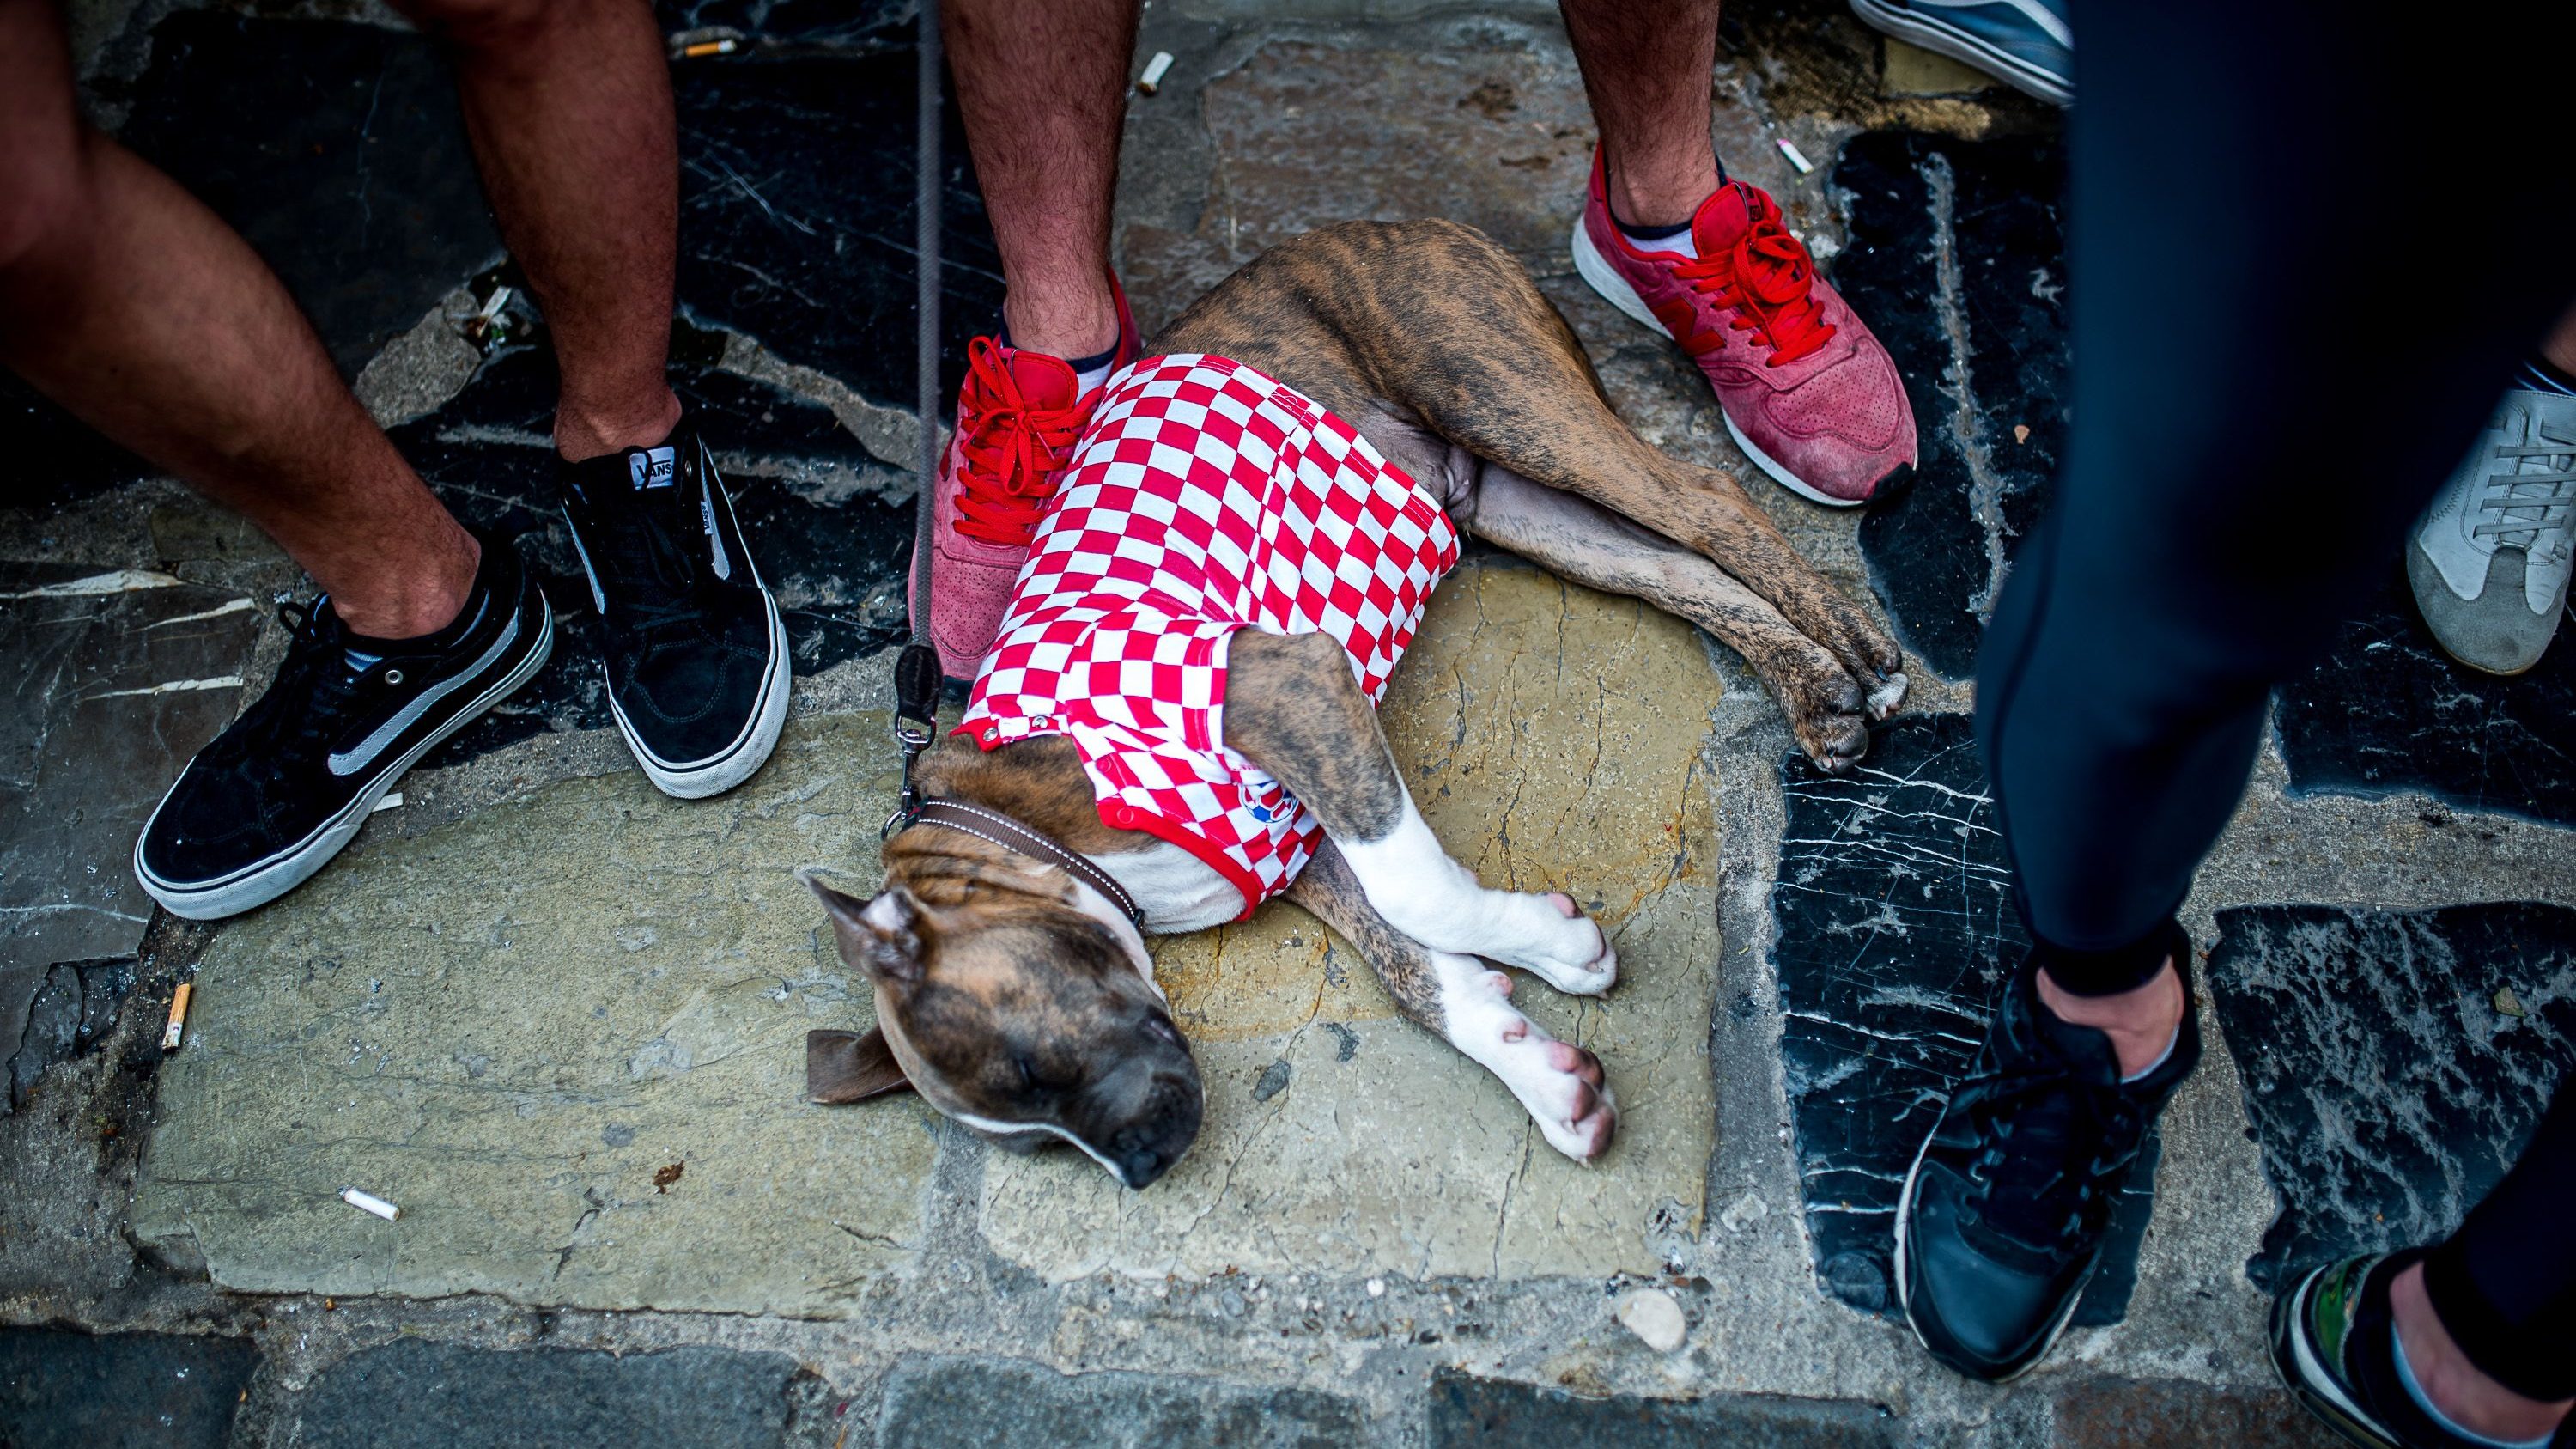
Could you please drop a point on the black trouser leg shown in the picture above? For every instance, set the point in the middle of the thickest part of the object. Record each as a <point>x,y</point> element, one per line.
<point>2505,1284</point>
<point>2290,316</point>
<point>2296,294</point>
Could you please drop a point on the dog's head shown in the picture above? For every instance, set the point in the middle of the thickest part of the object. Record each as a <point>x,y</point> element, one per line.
<point>1027,1020</point>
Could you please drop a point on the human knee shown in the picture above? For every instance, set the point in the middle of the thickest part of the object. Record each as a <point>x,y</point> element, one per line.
<point>44,190</point>
<point>481,22</point>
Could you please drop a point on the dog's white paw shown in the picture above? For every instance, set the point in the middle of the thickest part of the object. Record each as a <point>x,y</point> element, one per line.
<point>1558,1083</point>
<point>1884,699</point>
<point>1550,937</point>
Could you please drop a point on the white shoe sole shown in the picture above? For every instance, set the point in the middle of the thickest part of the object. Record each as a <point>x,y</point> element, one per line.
<point>2021,76</point>
<point>750,750</point>
<point>259,884</point>
<point>1596,270</point>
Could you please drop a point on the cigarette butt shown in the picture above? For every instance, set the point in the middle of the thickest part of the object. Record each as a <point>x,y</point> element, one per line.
<point>709,47</point>
<point>493,304</point>
<point>369,1202</point>
<point>1152,80</point>
<point>1795,157</point>
<point>392,801</point>
<point>178,1016</point>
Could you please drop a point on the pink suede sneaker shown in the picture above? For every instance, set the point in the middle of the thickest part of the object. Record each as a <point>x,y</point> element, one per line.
<point>1808,394</point>
<point>1018,419</point>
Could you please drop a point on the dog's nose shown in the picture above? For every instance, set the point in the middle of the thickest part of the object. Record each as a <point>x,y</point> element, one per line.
<point>1139,1169</point>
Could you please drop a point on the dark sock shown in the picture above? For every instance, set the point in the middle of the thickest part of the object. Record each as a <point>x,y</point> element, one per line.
<point>1643,234</point>
<point>363,650</point>
<point>2539,374</point>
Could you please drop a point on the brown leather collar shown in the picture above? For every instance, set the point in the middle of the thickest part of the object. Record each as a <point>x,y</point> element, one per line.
<point>1002,830</point>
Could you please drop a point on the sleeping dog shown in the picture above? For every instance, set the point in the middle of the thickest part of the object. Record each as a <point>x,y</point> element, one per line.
<point>1179,718</point>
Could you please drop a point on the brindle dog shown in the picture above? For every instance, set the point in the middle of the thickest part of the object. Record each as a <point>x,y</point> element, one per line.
<point>1020,1002</point>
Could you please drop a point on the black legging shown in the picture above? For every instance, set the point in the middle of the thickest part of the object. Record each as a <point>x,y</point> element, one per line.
<point>2308,242</point>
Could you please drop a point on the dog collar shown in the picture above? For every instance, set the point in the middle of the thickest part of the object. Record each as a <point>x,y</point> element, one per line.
<point>1002,830</point>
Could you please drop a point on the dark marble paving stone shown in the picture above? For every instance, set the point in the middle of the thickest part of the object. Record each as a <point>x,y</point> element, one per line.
<point>337,150</point>
<point>49,458</point>
<point>811,501</point>
<point>1501,1414</point>
<point>796,216</point>
<point>836,24</point>
<point>1000,1403</point>
<point>119,1391</point>
<point>2387,710</point>
<point>1955,258</point>
<point>1896,929</point>
<point>2107,1413</point>
<point>414,1394</point>
<point>2390,1081</point>
<point>105,691</point>
<point>73,1011</point>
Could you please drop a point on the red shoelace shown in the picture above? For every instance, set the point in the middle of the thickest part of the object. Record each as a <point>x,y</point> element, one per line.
<point>1768,281</point>
<point>1013,450</point>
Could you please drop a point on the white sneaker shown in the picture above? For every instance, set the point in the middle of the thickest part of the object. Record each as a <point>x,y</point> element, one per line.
<point>2490,560</point>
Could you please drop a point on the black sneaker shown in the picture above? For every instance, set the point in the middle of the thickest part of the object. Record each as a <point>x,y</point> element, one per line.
<point>2334,1342</point>
<point>2003,1217</point>
<point>697,658</point>
<point>278,794</point>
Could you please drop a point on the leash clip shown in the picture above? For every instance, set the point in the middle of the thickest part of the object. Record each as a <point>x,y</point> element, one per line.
<point>916,722</point>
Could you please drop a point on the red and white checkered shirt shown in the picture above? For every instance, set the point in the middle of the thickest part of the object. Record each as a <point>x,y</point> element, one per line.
<point>1202,499</point>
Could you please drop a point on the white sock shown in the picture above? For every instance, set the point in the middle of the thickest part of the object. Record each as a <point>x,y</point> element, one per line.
<point>1679,242</point>
<point>1088,378</point>
<point>2424,1401</point>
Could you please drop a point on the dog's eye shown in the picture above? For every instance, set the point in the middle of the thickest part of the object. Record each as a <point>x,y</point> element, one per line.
<point>1028,1070</point>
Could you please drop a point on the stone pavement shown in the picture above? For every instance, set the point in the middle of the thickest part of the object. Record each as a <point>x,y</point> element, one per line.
<point>557,1017</point>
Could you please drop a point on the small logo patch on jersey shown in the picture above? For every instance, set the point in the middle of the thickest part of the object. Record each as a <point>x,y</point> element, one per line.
<point>653,467</point>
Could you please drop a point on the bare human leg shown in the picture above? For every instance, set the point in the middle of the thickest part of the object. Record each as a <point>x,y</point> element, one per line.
<point>1646,68</point>
<point>1043,91</point>
<point>2458,1387</point>
<point>568,103</point>
<point>125,300</point>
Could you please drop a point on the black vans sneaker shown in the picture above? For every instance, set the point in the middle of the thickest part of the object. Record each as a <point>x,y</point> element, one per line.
<point>278,794</point>
<point>697,658</point>
<point>2003,1217</point>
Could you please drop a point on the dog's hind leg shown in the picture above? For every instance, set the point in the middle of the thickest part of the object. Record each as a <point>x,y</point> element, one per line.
<point>1588,544</point>
<point>1469,1004</point>
<point>1292,705</point>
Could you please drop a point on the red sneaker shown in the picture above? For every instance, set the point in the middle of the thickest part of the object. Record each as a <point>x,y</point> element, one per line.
<point>1017,422</point>
<point>1809,395</point>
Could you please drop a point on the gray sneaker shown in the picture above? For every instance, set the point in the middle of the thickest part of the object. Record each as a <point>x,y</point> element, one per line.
<point>2490,560</point>
<point>2026,44</point>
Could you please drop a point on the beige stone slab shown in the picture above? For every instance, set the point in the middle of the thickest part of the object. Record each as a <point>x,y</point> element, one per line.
<point>515,1026</point>
<point>1910,70</point>
<point>1554,738</point>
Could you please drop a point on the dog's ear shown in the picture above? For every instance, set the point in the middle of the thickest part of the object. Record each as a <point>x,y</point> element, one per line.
<point>881,937</point>
<point>850,1066</point>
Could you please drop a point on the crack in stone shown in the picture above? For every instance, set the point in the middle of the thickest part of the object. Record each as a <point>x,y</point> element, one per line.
<point>1958,381</point>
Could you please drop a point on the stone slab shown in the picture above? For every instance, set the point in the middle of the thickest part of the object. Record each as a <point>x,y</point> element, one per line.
<point>416,1394</point>
<point>113,679</point>
<point>2387,710</point>
<point>1000,1403</point>
<point>1910,70</point>
<point>2388,1083</point>
<point>518,1026</point>
<point>829,527</point>
<point>2112,1413</point>
<point>120,1391</point>
<point>1504,1414</point>
<point>1554,739</point>
<point>337,150</point>
<point>1896,930</point>
<point>1955,255</point>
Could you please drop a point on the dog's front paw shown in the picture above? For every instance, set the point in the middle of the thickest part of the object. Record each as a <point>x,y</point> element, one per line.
<point>1558,1083</point>
<point>1550,937</point>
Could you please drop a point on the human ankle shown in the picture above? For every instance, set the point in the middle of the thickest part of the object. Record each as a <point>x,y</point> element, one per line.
<point>2458,1389</point>
<point>2141,1022</point>
<point>1064,322</point>
<point>1661,192</point>
<point>585,430</point>
<point>408,605</point>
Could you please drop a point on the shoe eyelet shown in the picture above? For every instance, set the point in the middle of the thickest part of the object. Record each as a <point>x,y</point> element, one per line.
<point>393,676</point>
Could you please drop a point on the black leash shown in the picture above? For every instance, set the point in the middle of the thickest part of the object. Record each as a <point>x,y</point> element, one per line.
<point>917,670</point>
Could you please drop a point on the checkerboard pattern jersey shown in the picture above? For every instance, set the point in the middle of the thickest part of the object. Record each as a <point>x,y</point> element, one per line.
<point>1203,498</point>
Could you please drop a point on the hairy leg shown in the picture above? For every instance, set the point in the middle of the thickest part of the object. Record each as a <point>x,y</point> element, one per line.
<point>1590,545</point>
<point>1043,92</point>
<point>1292,705</point>
<point>1646,69</point>
<point>568,103</point>
<point>1558,1083</point>
<point>128,302</point>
